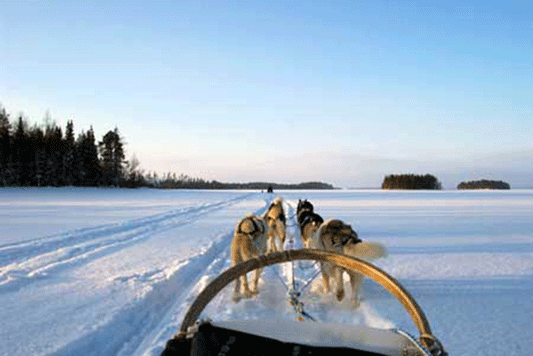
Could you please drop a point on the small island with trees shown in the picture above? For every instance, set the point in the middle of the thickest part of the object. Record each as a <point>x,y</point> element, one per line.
<point>484,184</point>
<point>411,181</point>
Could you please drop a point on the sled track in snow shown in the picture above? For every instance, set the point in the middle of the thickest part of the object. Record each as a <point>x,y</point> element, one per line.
<point>218,259</point>
<point>21,263</point>
<point>132,324</point>
<point>150,322</point>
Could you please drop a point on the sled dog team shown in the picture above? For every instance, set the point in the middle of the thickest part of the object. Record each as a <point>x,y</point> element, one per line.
<point>257,235</point>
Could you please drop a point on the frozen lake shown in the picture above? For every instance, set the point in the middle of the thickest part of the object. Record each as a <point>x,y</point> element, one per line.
<point>112,271</point>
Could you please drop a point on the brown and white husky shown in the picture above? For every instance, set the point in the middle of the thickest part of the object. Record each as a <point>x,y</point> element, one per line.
<point>276,223</point>
<point>250,240</point>
<point>336,236</point>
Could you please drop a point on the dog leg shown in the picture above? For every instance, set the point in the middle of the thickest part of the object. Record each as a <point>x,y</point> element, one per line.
<point>237,291</point>
<point>282,244</point>
<point>325,283</point>
<point>257,274</point>
<point>272,247</point>
<point>326,275</point>
<point>247,293</point>
<point>356,280</point>
<point>338,272</point>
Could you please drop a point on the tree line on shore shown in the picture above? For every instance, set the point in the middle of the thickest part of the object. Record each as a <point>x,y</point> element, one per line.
<point>45,155</point>
<point>428,181</point>
<point>185,182</point>
<point>411,181</point>
<point>484,184</point>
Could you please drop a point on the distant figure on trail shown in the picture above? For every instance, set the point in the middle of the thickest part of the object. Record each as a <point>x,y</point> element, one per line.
<point>270,189</point>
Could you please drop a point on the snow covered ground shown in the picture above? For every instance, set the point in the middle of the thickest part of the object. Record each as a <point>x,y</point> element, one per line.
<point>112,271</point>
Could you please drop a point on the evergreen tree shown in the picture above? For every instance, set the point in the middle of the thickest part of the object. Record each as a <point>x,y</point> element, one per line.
<point>112,154</point>
<point>69,145</point>
<point>22,157</point>
<point>79,162</point>
<point>53,170</point>
<point>89,156</point>
<point>6,164</point>
<point>38,150</point>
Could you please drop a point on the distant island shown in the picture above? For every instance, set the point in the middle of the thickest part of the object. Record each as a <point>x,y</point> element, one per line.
<point>484,184</point>
<point>411,181</point>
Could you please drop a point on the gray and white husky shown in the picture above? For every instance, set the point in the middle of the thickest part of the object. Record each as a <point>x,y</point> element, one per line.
<point>336,236</point>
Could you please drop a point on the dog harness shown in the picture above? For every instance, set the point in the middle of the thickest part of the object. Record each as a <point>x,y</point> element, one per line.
<point>254,224</point>
<point>345,239</point>
<point>309,218</point>
<point>280,215</point>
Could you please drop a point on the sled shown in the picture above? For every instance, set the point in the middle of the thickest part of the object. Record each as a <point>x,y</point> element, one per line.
<point>301,337</point>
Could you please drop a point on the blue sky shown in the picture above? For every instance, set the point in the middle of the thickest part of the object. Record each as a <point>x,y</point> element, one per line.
<point>344,92</point>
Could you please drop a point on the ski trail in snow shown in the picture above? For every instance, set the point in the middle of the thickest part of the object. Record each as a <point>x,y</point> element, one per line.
<point>23,262</point>
<point>153,316</point>
<point>153,341</point>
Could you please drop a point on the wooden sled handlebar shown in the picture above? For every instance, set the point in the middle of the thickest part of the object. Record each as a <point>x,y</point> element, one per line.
<point>348,262</point>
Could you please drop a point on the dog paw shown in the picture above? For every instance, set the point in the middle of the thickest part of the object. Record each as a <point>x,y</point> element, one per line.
<point>249,294</point>
<point>357,300</point>
<point>340,295</point>
<point>325,287</point>
<point>236,298</point>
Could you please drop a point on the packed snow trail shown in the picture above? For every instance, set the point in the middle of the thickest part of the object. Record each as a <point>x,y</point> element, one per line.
<point>132,325</point>
<point>271,303</point>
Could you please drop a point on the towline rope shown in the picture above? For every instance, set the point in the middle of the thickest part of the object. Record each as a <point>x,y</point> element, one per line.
<point>292,290</point>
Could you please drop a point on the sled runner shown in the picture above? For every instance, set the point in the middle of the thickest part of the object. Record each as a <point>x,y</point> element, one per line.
<point>249,337</point>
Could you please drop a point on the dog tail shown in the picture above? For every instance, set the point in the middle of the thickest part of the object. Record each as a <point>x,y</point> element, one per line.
<point>368,251</point>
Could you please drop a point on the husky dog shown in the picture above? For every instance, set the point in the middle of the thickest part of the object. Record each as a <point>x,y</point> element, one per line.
<point>309,226</point>
<point>276,223</point>
<point>304,206</point>
<point>308,221</point>
<point>250,240</point>
<point>336,236</point>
